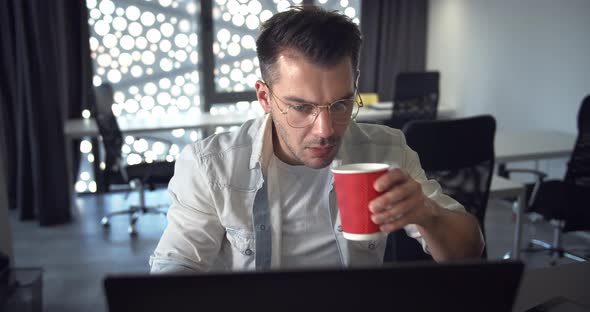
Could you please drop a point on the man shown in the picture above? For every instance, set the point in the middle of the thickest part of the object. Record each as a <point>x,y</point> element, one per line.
<point>262,197</point>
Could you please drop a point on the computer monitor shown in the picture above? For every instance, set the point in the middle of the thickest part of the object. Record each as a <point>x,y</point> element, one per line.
<point>428,286</point>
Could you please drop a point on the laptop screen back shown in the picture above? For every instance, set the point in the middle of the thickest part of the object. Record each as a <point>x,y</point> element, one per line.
<point>474,286</point>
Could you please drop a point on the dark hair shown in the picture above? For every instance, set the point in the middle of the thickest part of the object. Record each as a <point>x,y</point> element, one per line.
<point>321,36</point>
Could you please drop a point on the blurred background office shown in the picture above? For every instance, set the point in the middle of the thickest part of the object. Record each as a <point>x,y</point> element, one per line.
<point>180,70</point>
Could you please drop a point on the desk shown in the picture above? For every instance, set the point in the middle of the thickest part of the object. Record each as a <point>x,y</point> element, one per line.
<point>532,145</point>
<point>540,285</point>
<point>502,188</point>
<point>79,128</point>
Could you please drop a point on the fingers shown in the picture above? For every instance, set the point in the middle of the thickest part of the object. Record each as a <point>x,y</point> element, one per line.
<point>387,200</point>
<point>397,212</point>
<point>388,180</point>
<point>410,216</point>
<point>400,205</point>
<point>398,223</point>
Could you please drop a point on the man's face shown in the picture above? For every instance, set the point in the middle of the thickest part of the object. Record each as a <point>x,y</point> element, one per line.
<point>299,81</point>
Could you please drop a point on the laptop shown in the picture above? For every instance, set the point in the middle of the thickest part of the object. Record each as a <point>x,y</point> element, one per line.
<point>425,286</point>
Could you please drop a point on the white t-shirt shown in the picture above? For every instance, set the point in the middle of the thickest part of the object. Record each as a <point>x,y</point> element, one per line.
<point>301,196</point>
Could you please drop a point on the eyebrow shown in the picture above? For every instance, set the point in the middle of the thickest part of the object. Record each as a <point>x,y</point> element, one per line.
<point>299,100</point>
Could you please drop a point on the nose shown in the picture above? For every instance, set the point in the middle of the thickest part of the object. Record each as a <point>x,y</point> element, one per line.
<point>322,126</point>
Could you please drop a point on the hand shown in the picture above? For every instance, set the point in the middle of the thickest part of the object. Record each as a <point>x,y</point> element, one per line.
<point>402,203</point>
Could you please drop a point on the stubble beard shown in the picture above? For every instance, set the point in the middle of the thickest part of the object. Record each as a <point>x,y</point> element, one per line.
<point>280,130</point>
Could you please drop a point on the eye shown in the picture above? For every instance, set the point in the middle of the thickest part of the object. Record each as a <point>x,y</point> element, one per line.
<point>341,106</point>
<point>304,108</point>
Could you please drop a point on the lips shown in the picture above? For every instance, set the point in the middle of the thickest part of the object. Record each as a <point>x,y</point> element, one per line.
<point>321,151</point>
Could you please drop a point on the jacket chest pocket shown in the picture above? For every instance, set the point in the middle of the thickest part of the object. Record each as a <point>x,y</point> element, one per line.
<point>242,244</point>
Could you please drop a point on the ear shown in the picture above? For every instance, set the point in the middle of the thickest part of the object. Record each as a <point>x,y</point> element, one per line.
<point>263,95</point>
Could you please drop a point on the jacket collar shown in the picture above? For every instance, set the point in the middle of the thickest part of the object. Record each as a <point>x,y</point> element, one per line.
<point>262,148</point>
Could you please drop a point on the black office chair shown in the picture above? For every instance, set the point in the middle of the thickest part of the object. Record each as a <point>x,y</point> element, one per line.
<point>138,176</point>
<point>415,98</point>
<point>564,203</point>
<point>459,154</point>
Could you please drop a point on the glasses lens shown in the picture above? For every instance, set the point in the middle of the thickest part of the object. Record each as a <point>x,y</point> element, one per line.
<point>341,110</point>
<point>301,115</point>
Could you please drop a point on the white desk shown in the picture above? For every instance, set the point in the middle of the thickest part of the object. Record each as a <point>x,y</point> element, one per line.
<point>79,128</point>
<point>532,145</point>
<point>502,188</point>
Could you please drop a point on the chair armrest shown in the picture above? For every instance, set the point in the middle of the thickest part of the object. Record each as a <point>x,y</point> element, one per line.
<point>539,174</point>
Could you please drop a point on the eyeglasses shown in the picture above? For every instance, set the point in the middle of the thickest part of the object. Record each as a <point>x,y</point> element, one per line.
<point>301,115</point>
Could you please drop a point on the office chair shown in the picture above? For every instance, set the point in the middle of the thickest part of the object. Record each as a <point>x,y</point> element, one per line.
<point>415,98</point>
<point>137,176</point>
<point>459,154</point>
<point>564,203</point>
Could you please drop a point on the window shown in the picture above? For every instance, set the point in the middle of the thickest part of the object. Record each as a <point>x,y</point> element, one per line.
<point>235,68</point>
<point>169,57</point>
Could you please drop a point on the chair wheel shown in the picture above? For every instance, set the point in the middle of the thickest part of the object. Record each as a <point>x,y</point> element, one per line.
<point>105,222</point>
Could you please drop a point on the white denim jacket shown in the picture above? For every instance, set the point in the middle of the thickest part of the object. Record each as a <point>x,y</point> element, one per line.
<point>220,218</point>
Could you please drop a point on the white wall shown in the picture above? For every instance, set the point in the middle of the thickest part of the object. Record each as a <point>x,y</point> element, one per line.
<point>526,62</point>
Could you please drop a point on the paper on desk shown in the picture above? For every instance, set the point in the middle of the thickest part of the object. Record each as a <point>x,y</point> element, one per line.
<point>382,105</point>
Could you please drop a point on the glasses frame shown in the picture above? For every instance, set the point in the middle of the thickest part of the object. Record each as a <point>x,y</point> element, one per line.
<point>357,100</point>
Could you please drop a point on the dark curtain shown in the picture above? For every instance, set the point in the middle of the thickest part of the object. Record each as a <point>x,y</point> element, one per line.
<point>394,33</point>
<point>46,78</point>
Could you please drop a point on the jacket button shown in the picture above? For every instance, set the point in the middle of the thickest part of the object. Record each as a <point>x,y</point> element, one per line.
<point>248,252</point>
<point>371,246</point>
<point>339,228</point>
<point>262,227</point>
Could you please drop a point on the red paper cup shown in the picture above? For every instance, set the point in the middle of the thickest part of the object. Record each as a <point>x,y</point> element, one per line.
<point>354,192</point>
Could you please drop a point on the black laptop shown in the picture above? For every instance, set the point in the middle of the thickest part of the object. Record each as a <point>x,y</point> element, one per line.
<point>465,286</point>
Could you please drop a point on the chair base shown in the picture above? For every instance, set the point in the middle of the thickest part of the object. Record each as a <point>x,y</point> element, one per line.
<point>536,245</point>
<point>134,213</point>
<point>556,253</point>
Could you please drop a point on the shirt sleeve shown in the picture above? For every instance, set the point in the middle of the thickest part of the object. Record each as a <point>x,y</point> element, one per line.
<point>193,237</point>
<point>430,188</point>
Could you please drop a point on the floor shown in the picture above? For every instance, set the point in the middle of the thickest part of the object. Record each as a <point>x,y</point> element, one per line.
<point>76,257</point>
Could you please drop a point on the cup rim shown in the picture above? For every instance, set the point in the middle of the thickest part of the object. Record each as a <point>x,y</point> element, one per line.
<point>366,168</point>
